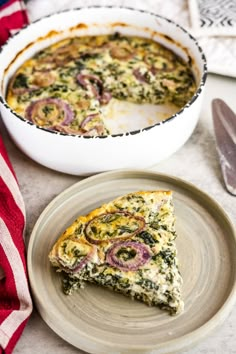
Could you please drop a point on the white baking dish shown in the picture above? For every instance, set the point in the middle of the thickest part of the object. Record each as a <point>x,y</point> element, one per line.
<point>136,148</point>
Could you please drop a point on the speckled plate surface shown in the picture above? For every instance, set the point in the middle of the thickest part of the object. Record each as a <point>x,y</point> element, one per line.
<point>99,321</point>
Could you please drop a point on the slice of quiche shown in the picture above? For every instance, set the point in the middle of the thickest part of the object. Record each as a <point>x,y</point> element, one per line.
<point>126,245</point>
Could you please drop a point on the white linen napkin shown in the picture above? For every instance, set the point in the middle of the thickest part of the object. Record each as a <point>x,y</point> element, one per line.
<point>213,22</point>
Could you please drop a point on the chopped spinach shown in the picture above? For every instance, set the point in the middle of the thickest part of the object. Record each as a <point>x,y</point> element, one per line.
<point>147,284</point>
<point>21,81</point>
<point>147,238</point>
<point>87,56</point>
<point>126,253</point>
<point>168,256</point>
<point>124,229</point>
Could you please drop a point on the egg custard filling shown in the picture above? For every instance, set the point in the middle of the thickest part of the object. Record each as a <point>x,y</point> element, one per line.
<point>126,245</point>
<point>66,86</point>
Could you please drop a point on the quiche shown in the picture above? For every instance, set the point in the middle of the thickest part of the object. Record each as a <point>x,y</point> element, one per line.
<point>126,245</point>
<point>66,86</point>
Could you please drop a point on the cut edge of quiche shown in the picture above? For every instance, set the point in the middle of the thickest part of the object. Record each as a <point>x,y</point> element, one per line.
<point>126,245</point>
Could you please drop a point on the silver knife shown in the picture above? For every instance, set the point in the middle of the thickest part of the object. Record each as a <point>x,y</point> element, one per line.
<point>224,120</point>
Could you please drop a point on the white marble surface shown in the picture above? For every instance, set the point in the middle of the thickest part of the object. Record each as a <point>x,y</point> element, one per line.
<point>196,162</point>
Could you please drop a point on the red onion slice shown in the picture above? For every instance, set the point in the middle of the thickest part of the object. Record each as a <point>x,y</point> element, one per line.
<point>92,125</point>
<point>95,85</point>
<point>141,77</point>
<point>109,227</point>
<point>49,111</point>
<point>43,78</point>
<point>91,82</point>
<point>87,120</point>
<point>22,91</point>
<point>105,97</point>
<point>66,53</point>
<point>121,53</point>
<point>98,130</point>
<point>71,248</point>
<point>128,256</point>
<point>59,57</point>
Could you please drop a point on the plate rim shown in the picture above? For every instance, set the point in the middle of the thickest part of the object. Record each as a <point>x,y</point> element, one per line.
<point>180,343</point>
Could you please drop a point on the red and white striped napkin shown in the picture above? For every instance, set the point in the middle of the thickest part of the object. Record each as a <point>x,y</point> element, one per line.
<point>15,299</point>
<point>13,16</point>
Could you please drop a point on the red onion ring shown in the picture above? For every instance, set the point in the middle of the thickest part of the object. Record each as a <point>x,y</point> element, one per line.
<point>141,255</point>
<point>66,53</point>
<point>62,106</point>
<point>61,56</point>
<point>90,234</point>
<point>43,78</point>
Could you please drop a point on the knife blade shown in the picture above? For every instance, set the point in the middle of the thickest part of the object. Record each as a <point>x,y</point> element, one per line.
<point>224,121</point>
